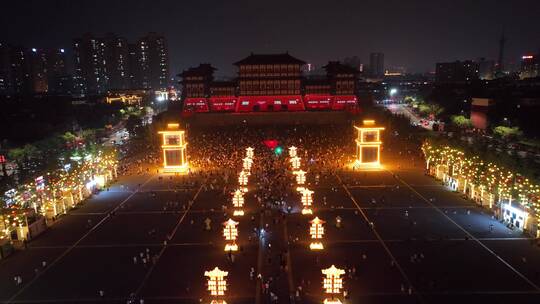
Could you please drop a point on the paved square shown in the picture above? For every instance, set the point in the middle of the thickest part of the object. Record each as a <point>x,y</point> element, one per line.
<point>400,232</point>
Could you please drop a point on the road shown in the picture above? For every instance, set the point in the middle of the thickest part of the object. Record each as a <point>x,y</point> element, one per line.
<point>402,109</point>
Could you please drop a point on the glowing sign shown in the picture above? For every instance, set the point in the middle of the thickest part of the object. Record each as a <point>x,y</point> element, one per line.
<point>40,183</point>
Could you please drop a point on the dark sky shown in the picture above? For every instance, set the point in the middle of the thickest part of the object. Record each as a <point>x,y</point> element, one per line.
<point>412,33</point>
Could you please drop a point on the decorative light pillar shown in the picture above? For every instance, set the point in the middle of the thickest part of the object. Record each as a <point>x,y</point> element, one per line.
<point>230,232</point>
<point>332,284</point>
<point>249,152</point>
<point>247,162</point>
<point>174,149</point>
<point>368,146</point>
<point>292,151</point>
<point>300,176</point>
<point>316,231</point>
<point>243,178</point>
<point>307,200</point>
<point>295,162</point>
<point>238,203</point>
<point>217,285</point>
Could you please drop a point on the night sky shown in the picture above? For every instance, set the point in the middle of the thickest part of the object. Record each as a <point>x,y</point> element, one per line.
<point>412,33</point>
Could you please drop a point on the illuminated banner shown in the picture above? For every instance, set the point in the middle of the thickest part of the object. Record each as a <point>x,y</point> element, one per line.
<point>196,105</point>
<point>341,102</point>
<point>40,183</point>
<point>222,104</point>
<point>9,197</point>
<point>270,103</point>
<point>318,102</point>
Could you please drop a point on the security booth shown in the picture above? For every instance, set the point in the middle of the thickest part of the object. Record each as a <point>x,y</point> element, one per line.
<point>368,145</point>
<point>174,149</point>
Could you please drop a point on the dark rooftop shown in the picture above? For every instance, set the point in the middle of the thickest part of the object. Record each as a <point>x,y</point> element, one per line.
<point>335,67</point>
<point>203,69</point>
<point>270,59</point>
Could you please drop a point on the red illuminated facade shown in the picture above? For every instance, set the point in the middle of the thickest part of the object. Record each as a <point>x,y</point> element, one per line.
<point>270,83</point>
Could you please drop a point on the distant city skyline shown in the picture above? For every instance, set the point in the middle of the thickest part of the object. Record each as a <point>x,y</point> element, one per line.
<point>415,35</point>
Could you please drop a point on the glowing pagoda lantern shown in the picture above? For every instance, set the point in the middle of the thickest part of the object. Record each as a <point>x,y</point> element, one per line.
<point>332,284</point>
<point>300,176</point>
<point>217,285</point>
<point>247,162</point>
<point>243,178</point>
<point>368,145</point>
<point>174,149</point>
<point>230,232</point>
<point>292,151</point>
<point>249,152</point>
<point>316,231</point>
<point>295,162</point>
<point>307,200</point>
<point>238,203</point>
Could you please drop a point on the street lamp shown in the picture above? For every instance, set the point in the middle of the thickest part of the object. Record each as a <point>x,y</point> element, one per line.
<point>332,283</point>
<point>217,285</point>
<point>238,203</point>
<point>230,232</point>
<point>316,231</point>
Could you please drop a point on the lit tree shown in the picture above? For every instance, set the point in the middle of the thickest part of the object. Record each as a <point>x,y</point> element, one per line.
<point>507,132</point>
<point>461,121</point>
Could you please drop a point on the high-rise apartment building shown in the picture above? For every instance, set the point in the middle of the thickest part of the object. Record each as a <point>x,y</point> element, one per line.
<point>5,69</point>
<point>456,72</point>
<point>32,70</point>
<point>58,80</point>
<point>116,56</point>
<point>153,61</point>
<point>111,63</point>
<point>90,65</point>
<point>530,66</point>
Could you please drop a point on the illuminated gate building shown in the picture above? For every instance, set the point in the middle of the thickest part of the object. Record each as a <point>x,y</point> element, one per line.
<point>174,149</point>
<point>270,83</point>
<point>368,145</point>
